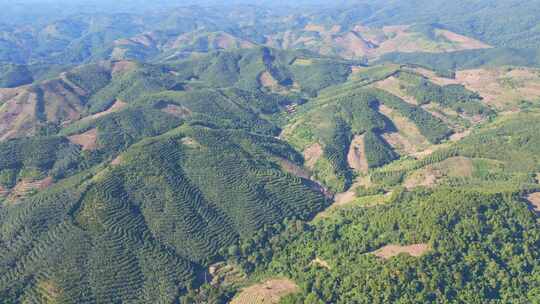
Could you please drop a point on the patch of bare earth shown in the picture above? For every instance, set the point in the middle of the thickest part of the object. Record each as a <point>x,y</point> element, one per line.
<point>345,198</point>
<point>190,142</point>
<point>24,187</point>
<point>176,110</point>
<point>392,86</point>
<point>357,155</point>
<point>352,45</point>
<point>294,169</point>
<point>87,140</point>
<point>322,263</point>
<point>460,135</point>
<point>431,174</point>
<point>22,109</point>
<point>534,201</point>
<point>465,43</point>
<point>117,161</point>
<point>499,87</point>
<point>389,251</point>
<point>123,66</point>
<point>269,292</point>
<point>408,140</point>
<point>49,291</point>
<point>268,81</point>
<point>17,115</point>
<point>224,274</point>
<point>115,107</point>
<point>312,154</point>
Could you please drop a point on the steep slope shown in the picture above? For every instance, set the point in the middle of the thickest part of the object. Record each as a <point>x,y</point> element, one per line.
<point>358,41</point>
<point>354,109</point>
<point>293,71</point>
<point>155,217</point>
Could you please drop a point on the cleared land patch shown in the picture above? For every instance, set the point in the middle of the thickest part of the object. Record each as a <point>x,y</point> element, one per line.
<point>320,262</point>
<point>431,174</point>
<point>389,251</point>
<point>534,200</point>
<point>312,154</point>
<point>501,87</point>
<point>408,140</point>
<point>294,169</point>
<point>357,155</point>
<point>269,292</point>
<point>115,107</point>
<point>393,86</point>
<point>88,139</point>
<point>178,111</point>
<point>464,42</point>
<point>25,187</point>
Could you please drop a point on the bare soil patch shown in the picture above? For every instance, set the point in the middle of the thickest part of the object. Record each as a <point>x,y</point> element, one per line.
<point>357,155</point>
<point>117,161</point>
<point>191,142</point>
<point>115,107</point>
<point>25,187</point>
<point>122,66</point>
<point>534,200</point>
<point>352,45</point>
<point>407,140</point>
<point>431,174</point>
<point>269,292</point>
<point>312,154</point>
<point>17,115</point>
<point>392,86</point>
<point>88,139</point>
<point>176,110</point>
<point>460,135</point>
<point>294,169</point>
<point>465,43</point>
<point>389,251</point>
<point>266,80</point>
<point>502,87</point>
<point>320,262</point>
<point>224,274</point>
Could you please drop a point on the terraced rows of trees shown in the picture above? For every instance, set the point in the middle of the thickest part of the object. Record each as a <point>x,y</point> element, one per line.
<point>175,156</point>
<point>158,217</point>
<point>333,121</point>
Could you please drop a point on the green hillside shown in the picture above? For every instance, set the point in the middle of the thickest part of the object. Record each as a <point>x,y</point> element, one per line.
<point>296,153</point>
<point>150,222</point>
<point>468,227</point>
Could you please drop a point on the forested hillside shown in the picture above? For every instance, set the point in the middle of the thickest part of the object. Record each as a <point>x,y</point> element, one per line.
<point>270,152</point>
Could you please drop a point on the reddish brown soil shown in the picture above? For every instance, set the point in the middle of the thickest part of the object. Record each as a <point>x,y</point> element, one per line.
<point>534,200</point>
<point>312,154</point>
<point>117,161</point>
<point>320,262</point>
<point>269,292</point>
<point>116,106</point>
<point>465,43</point>
<point>123,66</point>
<point>357,156</point>
<point>266,80</point>
<point>88,139</point>
<point>24,187</point>
<point>389,251</point>
<point>294,169</point>
<point>178,111</point>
